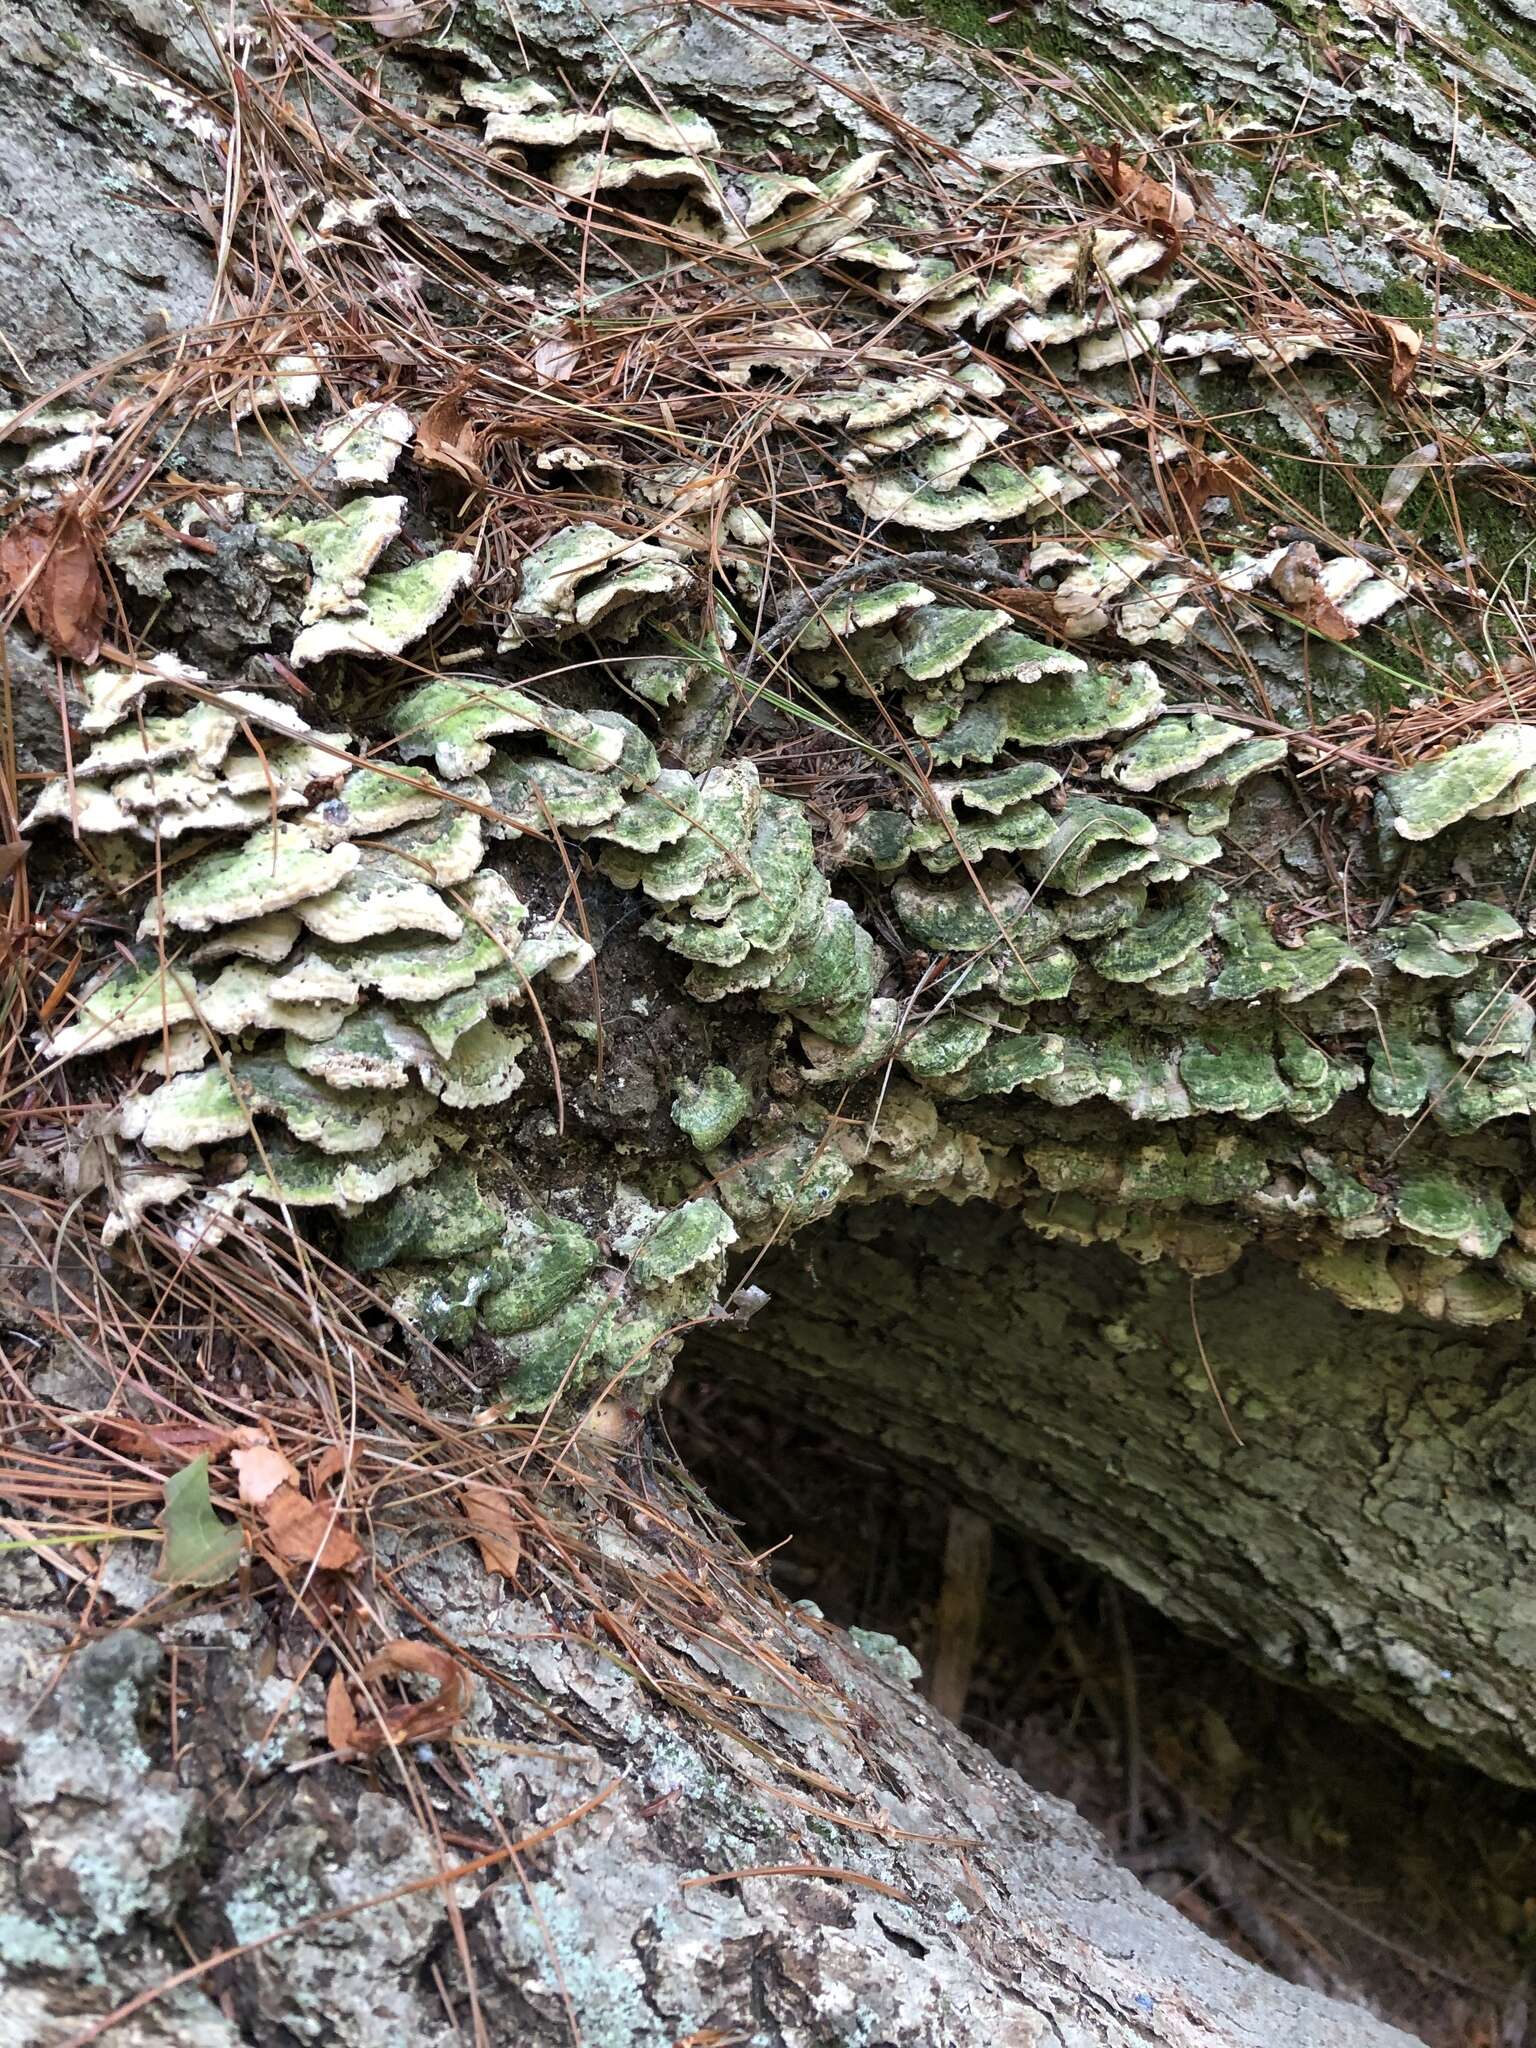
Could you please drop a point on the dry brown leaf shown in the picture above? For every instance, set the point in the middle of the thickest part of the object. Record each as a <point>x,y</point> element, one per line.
<point>495,1532</point>
<point>1295,577</point>
<point>262,1471</point>
<point>418,1720</point>
<point>301,1532</point>
<point>331,1462</point>
<point>447,439</point>
<point>1152,205</point>
<point>12,853</point>
<point>50,563</point>
<point>394,20</point>
<point>1403,345</point>
<point>167,1443</point>
<point>340,1715</point>
<point>556,356</point>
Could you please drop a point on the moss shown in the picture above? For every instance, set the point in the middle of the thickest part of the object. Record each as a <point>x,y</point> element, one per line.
<point>1509,257</point>
<point>1404,299</point>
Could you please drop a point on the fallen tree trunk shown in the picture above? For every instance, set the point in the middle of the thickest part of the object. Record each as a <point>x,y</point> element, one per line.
<point>788,401</point>
<point>1341,1497</point>
<point>762,1836</point>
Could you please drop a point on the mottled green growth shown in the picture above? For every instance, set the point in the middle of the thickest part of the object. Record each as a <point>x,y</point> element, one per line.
<point>397,609</point>
<point>991,492</point>
<point>657,817</point>
<point>953,838</point>
<point>939,639</point>
<point>1255,963</point>
<point>1452,1214</point>
<point>1422,801</point>
<point>343,546</point>
<point>881,840</point>
<point>710,1108</point>
<point>304,1178</point>
<point>1092,844</point>
<point>1205,794</point>
<point>1008,1062</point>
<point>129,1002</point>
<point>1173,746</point>
<point>1046,978</point>
<point>1233,1075</point>
<point>1051,712</point>
<point>943,1046</point>
<point>685,1239</point>
<point>373,800</point>
<point>998,792</point>
<point>272,870</point>
<point>955,917</point>
<point>452,719</point>
<point>541,796</point>
<point>382,894</point>
<point>547,1260</point>
<point>786,1185</point>
<point>1471,927</point>
<point>1015,657</point>
<point>585,577</point>
<point>1180,925</point>
<point>444,1217</point>
<point>1488,1021</point>
<point>840,616</point>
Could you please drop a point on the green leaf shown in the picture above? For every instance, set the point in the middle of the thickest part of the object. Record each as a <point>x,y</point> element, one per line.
<point>200,1550</point>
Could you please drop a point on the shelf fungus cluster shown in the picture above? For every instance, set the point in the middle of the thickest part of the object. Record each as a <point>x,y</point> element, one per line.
<point>1038,966</point>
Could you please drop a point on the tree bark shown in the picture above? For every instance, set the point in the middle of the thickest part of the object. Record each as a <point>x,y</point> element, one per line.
<point>1340,1497</point>
<point>659,1766</point>
<point>772,1839</point>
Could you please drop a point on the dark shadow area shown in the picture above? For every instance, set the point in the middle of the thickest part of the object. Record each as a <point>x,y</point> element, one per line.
<point>1328,1851</point>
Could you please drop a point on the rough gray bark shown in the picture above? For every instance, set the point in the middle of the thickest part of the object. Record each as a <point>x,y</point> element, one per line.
<point>132,1839</point>
<point>1370,1536</point>
<point>966,1909</point>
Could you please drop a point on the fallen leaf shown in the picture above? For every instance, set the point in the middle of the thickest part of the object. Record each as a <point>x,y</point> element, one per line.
<point>556,356</point>
<point>394,20</point>
<point>418,1720</point>
<point>1403,345</point>
<point>340,1715</point>
<point>167,1442</point>
<point>262,1471</point>
<point>1150,203</point>
<point>199,1549</point>
<point>302,1532</point>
<point>331,1462</point>
<point>447,439</point>
<point>12,853</point>
<point>495,1532</point>
<point>1295,578</point>
<point>49,562</point>
<point>1406,477</point>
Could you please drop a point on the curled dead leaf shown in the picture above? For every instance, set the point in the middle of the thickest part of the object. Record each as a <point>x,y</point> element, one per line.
<point>300,1531</point>
<point>50,565</point>
<point>1404,343</point>
<point>417,1720</point>
<point>396,20</point>
<point>1159,208</point>
<point>330,1464</point>
<point>1295,577</point>
<point>556,356</point>
<point>167,1443</point>
<point>447,439</point>
<point>261,1471</point>
<point>340,1715</point>
<point>496,1533</point>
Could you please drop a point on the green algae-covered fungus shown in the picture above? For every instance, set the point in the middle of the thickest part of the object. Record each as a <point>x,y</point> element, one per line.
<point>928,789</point>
